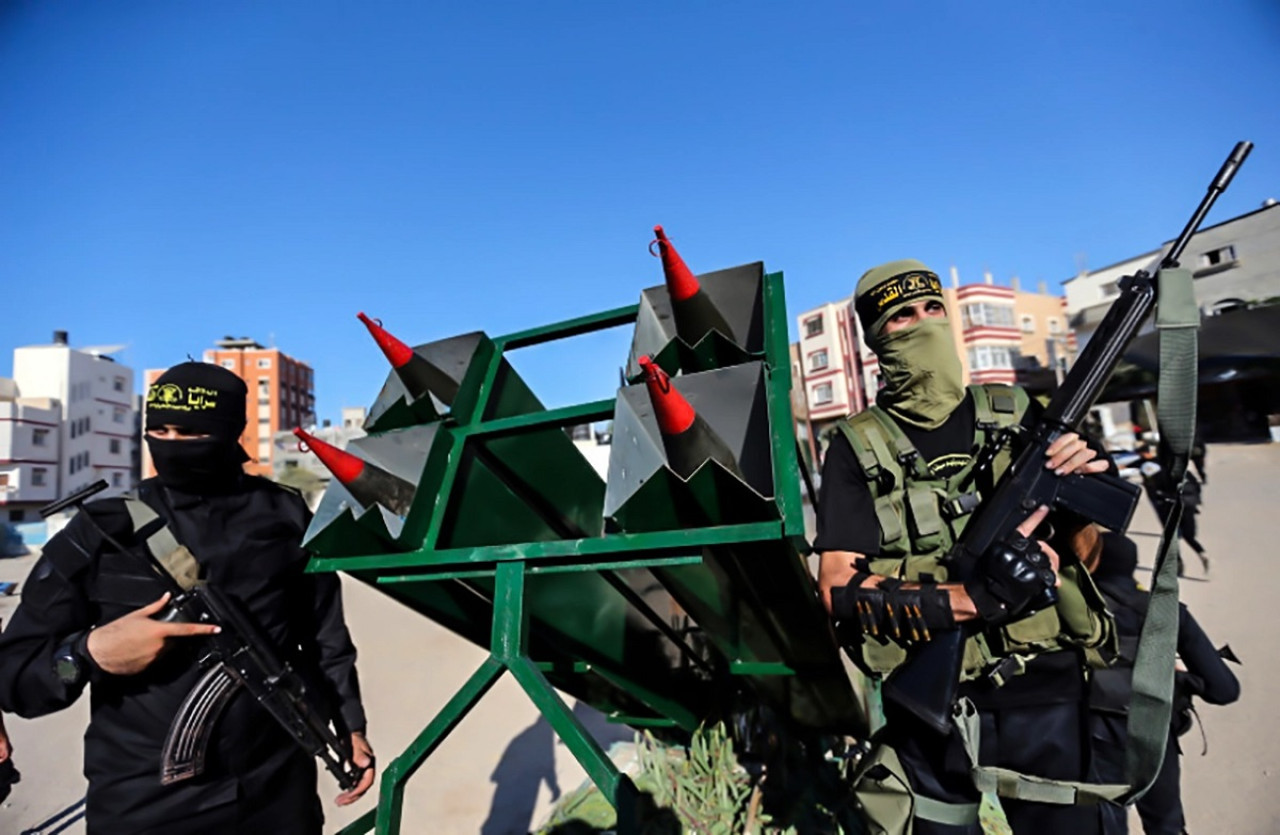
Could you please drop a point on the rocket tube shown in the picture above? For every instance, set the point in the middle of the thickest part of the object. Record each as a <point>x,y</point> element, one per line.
<point>418,375</point>
<point>694,312</point>
<point>686,436</point>
<point>367,483</point>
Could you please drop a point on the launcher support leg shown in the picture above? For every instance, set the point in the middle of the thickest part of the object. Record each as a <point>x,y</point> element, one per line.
<point>509,644</point>
<point>391,788</point>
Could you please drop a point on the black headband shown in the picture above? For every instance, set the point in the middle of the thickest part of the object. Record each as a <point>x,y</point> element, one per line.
<point>896,290</point>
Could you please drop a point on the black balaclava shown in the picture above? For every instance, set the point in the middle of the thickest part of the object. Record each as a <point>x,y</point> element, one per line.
<point>206,399</point>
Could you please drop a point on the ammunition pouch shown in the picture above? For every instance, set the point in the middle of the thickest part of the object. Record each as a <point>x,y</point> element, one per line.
<point>906,615</point>
<point>886,802</point>
<point>1013,578</point>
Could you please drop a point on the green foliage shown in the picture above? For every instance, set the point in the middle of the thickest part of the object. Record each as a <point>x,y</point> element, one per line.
<point>707,788</point>
<point>704,789</point>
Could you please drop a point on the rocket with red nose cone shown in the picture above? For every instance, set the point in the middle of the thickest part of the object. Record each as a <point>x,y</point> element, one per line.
<point>694,312</point>
<point>367,483</point>
<point>686,436</point>
<point>415,371</point>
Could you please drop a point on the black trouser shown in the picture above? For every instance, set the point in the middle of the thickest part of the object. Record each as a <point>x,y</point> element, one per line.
<point>1161,807</point>
<point>1042,740</point>
<point>288,806</point>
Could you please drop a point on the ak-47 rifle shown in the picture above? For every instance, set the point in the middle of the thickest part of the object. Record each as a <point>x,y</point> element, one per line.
<point>1005,573</point>
<point>239,655</point>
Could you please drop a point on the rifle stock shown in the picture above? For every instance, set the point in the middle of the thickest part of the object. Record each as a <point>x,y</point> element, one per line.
<point>918,685</point>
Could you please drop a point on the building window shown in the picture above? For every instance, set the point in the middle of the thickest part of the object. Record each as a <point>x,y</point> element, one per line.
<point>1055,326</point>
<point>118,415</point>
<point>118,384</point>
<point>265,362</point>
<point>38,476</point>
<point>818,360</point>
<point>114,446</point>
<point>1111,288</point>
<point>813,326</point>
<point>989,357</point>
<point>1028,323</point>
<point>228,363</point>
<point>117,479</point>
<point>988,315</point>
<point>1218,257</point>
<point>821,394</point>
<point>39,437</point>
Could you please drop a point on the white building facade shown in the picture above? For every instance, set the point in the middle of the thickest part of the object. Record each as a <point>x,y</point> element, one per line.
<point>29,443</point>
<point>1234,263</point>
<point>830,363</point>
<point>98,422</point>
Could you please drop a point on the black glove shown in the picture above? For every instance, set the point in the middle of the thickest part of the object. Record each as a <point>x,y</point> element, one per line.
<point>1014,579</point>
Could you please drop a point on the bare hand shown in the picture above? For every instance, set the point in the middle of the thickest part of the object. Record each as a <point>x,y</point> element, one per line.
<point>129,644</point>
<point>1029,526</point>
<point>6,747</point>
<point>1070,454</point>
<point>362,756</point>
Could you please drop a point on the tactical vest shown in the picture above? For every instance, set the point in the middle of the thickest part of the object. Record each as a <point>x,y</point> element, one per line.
<point>921,515</point>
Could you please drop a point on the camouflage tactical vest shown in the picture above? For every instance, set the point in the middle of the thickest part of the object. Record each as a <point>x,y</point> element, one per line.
<point>920,516</point>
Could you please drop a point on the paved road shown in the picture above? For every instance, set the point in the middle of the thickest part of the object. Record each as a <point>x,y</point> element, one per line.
<point>501,767</point>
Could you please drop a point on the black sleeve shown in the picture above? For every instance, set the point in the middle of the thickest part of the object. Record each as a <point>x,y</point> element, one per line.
<point>1210,678</point>
<point>335,654</point>
<point>846,512</point>
<point>54,606</point>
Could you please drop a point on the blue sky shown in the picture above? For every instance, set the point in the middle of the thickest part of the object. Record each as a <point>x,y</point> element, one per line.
<point>174,172</point>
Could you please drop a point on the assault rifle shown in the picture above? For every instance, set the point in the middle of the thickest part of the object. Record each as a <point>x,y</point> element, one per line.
<point>1006,574</point>
<point>239,655</point>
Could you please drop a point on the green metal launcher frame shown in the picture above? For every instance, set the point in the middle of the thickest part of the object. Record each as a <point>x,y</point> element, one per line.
<point>691,600</point>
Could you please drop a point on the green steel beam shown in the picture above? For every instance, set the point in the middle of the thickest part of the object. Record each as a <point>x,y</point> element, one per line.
<point>659,544</point>
<point>428,577</point>
<point>362,824</point>
<point>676,712</point>
<point>761,668</point>
<point>391,789</point>
<point>566,416</point>
<point>510,636</point>
<point>781,423</point>
<point>613,785</point>
<point>570,327</point>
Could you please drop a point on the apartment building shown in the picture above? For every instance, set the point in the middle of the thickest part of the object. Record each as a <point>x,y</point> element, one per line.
<point>829,365</point>
<point>93,393</point>
<point>281,396</point>
<point>1235,266</point>
<point>30,432</point>
<point>1234,263</point>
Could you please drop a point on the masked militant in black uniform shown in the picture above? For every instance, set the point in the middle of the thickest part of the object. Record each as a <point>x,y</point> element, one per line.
<point>94,616</point>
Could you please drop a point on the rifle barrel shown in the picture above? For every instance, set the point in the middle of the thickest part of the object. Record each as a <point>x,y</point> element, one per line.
<point>1220,182</point>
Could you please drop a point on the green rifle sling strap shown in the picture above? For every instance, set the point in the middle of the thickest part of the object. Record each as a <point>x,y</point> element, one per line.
<point>1177,319</point>
<point>173,556</point>
<point>1004,782</point>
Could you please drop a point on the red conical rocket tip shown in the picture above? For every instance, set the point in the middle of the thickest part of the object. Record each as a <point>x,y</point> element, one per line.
<point>681,283</point>
<point>397,352</point>
<point>344,466</point>
<point>673,412</point>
